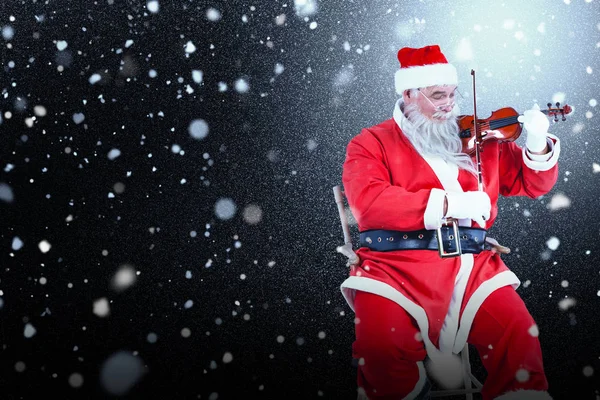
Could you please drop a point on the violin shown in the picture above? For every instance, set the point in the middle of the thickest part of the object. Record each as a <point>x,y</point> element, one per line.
<point>502,125</point>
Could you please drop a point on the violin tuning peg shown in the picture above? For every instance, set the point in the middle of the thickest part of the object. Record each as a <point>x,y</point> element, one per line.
<point>549,105</point>
<point>564,118</point>
<point>557,104</point>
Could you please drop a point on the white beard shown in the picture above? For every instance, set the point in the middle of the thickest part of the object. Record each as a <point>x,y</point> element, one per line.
<point>437,138</point>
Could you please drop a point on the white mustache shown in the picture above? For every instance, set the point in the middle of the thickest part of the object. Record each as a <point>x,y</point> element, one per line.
<point>442,115</point>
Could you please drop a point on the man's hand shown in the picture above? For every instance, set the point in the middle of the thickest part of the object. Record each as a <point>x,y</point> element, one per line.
<point>475,205</point>
<point>536,124</point>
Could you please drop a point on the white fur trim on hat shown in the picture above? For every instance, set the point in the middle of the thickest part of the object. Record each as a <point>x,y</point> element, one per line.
<point>525,395</point>
<point>424,76</point>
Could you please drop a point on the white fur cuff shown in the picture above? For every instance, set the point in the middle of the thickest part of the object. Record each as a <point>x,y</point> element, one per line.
<point>525,395</point>
<point>537,162</point>
<point>434,213</point>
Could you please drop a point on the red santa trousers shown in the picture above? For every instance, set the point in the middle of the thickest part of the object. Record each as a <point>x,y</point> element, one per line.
<point>388,346</point>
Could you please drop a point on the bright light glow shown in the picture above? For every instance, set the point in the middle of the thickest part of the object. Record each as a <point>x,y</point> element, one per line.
<point>464,51</point>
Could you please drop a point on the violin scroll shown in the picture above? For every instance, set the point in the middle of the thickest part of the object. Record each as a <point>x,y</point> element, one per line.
<point>554,112</point>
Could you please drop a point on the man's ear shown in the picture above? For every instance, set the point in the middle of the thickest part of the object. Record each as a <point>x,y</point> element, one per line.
<point>407,93</point>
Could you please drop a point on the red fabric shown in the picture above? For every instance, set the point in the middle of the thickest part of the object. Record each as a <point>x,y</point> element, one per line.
<point>388,348</point>
<point>505,336</point>
<point>410,57</point>
<point>387,184</point>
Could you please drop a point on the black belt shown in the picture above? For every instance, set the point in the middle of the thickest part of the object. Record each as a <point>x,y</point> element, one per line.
<point>472,240</point>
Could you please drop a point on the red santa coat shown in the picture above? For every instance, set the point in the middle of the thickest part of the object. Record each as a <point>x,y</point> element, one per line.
<point>389,185</point>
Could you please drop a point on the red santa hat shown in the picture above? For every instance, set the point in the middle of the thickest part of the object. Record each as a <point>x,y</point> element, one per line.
<point>423,67</point>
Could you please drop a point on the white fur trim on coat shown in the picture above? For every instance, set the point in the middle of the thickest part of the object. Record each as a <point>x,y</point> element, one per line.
<point>424,76</point>
<point>543,162</point>
<point>525,395</point>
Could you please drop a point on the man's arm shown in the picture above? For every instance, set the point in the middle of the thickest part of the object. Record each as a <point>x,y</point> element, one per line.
<point>374,201</point>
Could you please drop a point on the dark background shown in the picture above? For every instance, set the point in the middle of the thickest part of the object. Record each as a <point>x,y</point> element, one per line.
<point>278,146</point>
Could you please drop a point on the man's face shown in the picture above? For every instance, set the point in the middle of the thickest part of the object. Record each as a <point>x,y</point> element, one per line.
<point>434,102</point>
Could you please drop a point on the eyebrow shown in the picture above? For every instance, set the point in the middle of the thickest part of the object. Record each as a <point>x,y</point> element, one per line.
<point>440,92</point>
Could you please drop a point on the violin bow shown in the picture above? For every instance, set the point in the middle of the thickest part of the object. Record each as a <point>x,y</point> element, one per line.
<point>478,138</point>
<point>497,247</point>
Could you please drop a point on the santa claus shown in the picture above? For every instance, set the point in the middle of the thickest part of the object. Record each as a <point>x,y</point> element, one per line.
<point>424,287</point>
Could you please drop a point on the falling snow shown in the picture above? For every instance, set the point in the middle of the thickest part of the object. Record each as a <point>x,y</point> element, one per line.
<point>165,182</point>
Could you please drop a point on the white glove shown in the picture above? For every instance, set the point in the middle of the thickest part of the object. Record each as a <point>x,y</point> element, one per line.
<point>536,124</point>
<point>474,205</point>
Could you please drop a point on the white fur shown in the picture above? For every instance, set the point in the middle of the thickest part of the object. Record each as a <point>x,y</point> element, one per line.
<point>525,395</point>
<point>424,76</point>
<point>543,162</point>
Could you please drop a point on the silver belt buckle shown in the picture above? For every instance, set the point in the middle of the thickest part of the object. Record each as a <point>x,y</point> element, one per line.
<point>441,249</point>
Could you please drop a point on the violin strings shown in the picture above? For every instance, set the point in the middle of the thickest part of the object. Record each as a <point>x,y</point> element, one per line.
<point>499,123</point>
